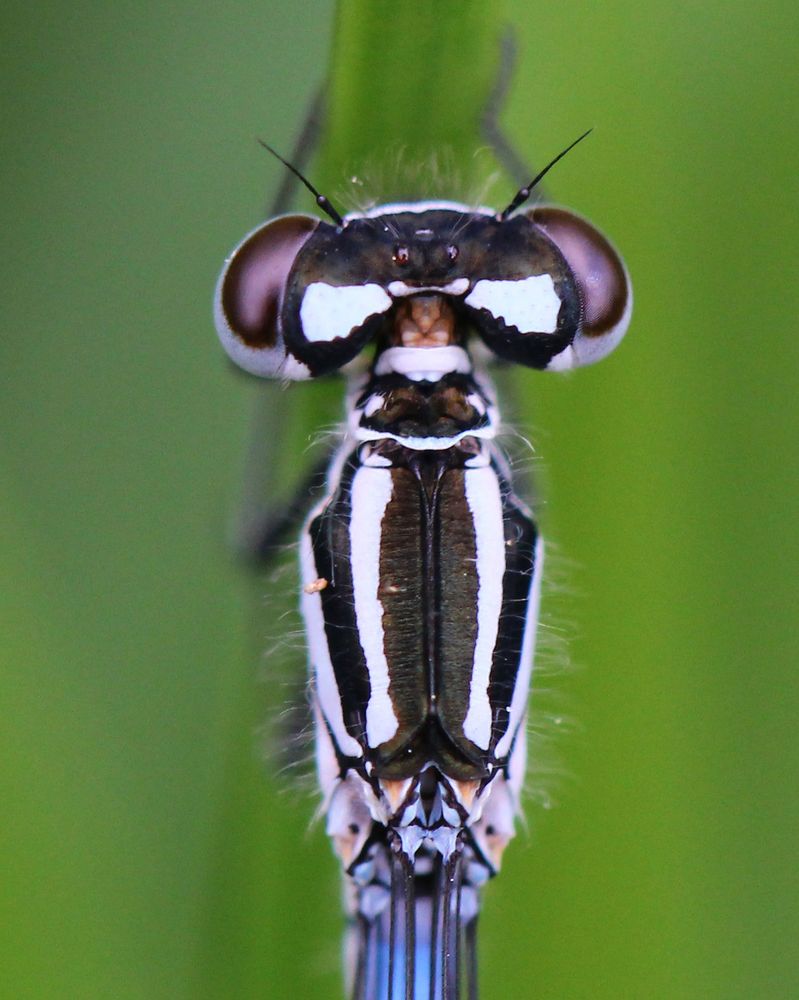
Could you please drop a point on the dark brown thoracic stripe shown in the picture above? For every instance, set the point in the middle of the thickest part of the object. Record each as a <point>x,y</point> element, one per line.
<point>428,592</point>
<point>428,554</point>
<point>402,595</point>
<point>456,602</point>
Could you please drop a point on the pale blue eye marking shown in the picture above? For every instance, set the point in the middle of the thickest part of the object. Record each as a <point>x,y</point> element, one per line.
<point>530,304</point>
<point>331,311</point>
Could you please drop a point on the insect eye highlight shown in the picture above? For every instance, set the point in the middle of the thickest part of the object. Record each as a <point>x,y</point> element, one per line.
<point>401,255</point>
<point>452,253</point>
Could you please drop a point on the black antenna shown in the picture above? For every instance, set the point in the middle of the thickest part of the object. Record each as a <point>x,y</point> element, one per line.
<point>321,200</point>
<point>524,193</point>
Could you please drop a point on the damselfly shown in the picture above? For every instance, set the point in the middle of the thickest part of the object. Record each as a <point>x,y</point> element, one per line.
<point>421,567</point>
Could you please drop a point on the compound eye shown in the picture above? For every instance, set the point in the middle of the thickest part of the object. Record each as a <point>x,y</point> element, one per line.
<point>401,256</point>
<point>602,280</point>
<point>249,296</point>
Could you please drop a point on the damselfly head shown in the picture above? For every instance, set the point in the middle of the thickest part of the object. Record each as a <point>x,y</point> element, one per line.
<point>300,297</point>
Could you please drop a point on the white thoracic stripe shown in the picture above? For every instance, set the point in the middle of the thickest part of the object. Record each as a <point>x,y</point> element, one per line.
<point>530,304</point>
<point>330,311</point>
<point>485,503</point>
<point>370,493</point>
<point>521,692</point>
<point>319,653</point>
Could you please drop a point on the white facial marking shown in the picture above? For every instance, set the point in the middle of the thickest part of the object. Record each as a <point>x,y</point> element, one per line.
<point>485,503</point>
<point>330,311</point>
<point>455,287</point>
<point>530,304</point>
<point>371,492</point>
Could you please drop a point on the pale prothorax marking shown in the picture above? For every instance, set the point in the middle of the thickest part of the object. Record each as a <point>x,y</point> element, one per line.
<point>425,443</point>
<point>530,304</point>
<point>423,363</point>
<point>330,311</point>
<point>327,693</point>
<point>485,504</point>
<point>370,494</point>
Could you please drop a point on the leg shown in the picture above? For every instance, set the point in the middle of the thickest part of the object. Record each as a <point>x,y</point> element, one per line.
<point>510,160</point>
<point>260,537</point>
<point>279,477</point>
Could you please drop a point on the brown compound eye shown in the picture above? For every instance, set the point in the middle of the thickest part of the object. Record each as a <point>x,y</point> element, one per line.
<point>401,256</point>
<point>603,281</point>
<point>249,293</point>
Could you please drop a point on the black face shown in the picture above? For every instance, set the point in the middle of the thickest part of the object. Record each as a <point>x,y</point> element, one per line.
<point>530,285</point>
<point>445,251</point>
<point>418,247</point>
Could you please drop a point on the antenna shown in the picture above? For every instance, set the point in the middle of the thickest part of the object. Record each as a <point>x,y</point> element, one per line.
<point>524,193</point>
<point>321,200</point>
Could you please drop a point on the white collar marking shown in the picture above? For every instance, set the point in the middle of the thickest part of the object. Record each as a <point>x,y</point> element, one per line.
<point>423,363</point>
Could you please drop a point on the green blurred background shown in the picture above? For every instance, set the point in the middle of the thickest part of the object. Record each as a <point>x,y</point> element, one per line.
<point>146,852</point>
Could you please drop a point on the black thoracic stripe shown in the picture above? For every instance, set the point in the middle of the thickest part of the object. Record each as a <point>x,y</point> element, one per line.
<point>401,594</point>
<point>520,541</point>
<point>330,540</point>
<point>456,604</point>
